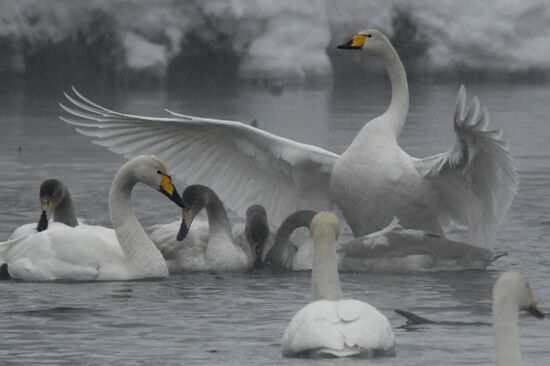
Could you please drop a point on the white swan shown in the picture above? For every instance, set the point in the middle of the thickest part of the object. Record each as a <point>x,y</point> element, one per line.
<point>211,246</point>
<point>330,326</point>
<point>371,182</point>
<point>55,200</point>
<point>510,294</point>
<point>393,249</point>
<point>96,253</point>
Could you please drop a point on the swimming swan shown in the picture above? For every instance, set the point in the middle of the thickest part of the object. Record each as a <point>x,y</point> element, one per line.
<point>330,326</point>
<point>55,200</point>
<point>95,253</point>
<point>511,293</point>
<point>212,245</point>
<point>471,184</point>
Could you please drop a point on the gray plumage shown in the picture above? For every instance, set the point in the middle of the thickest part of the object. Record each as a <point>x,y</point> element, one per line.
<point>282,252</point>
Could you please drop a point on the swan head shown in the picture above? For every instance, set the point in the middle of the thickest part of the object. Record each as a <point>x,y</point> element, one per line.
<point>257,231</point>
<point>325,225</point>
<point>370,40</point>
<point>194,199</point>
<point>150,170</point>
<point>512,288</point>
<point>52,192</point>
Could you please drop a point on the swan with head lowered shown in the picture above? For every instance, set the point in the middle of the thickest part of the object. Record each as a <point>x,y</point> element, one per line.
<point>95,253</point>
<point>211,245</point>
<point>331,326</point>
<point>374,180</point>
<point>56,201</point>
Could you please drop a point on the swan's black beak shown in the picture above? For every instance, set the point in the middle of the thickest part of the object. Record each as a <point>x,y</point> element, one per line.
<point>532,306</point>
<point>534,311</point>
<point>354,44</point>
<point>43,222</point>
<point>168,189</point>
<point>187,219</point>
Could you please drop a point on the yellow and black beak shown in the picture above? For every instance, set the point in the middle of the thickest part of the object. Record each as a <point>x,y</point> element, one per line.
<point>356,43</point>
<point>168,189</point>
<point>532,307</point>
<point>187,219</point>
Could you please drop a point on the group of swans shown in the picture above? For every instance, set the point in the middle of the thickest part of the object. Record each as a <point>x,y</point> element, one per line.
<point>95,253</point>
<point>333,327</point>
<point>372,182</point>
<point>211,245</point>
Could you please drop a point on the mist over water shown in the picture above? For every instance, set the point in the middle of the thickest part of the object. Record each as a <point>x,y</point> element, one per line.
<point>170,41</point>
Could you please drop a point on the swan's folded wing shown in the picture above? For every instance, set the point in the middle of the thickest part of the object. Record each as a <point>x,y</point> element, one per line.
<point>476,178</point>
<point>243,164</point>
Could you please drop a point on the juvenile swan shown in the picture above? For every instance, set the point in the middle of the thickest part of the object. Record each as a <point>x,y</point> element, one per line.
<point>212,246</point>
<point>330,326</point>
<point>55,200</point>
<point>95,253</point>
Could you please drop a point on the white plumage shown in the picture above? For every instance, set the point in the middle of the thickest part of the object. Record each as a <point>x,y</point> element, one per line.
<point>371,182</point>
<point>332,326</point>
<point>86,252</point>
<point>338,328</point>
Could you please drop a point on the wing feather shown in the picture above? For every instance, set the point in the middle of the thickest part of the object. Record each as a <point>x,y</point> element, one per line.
<point>245,165</point>
<point>476,178</point>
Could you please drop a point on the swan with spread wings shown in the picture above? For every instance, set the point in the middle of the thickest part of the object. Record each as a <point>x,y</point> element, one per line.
<point>472,184</point>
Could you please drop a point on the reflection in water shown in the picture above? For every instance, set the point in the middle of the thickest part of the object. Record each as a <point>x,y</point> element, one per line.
<point>239,319</point>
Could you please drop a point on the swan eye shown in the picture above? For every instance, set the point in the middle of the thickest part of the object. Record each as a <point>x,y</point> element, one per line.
<point>159,172</point>
<point>369,35</point>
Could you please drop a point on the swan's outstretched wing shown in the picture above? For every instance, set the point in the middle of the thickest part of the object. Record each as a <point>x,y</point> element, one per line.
<point>476,178</point>
<point>243,164</point>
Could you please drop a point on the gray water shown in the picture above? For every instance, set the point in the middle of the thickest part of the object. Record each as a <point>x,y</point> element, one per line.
<point>239,319</point>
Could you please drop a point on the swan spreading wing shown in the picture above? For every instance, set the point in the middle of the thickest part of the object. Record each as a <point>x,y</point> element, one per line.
<point>242,164</point>
<point>476,178</point>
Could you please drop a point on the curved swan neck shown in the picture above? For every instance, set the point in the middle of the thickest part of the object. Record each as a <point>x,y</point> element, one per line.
<point>399,105</point>
<point>291,223</point>
<point>64,211</point>
<point>134,242</point>
<point>277,255</point>
<point>217,216</point>
<point>324,273</point>
<point>505,328</point>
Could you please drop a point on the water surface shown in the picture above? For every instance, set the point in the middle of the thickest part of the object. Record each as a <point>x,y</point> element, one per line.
<point>239,319</point>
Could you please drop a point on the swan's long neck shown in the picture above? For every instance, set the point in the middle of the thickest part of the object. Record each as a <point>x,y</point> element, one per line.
<point>64,211</point>
<point>505,328</point>
<point>139,250</point>
<point>395,116</point>
<point>324,274</point>
<point>218,221</point>
<point>277,253</point>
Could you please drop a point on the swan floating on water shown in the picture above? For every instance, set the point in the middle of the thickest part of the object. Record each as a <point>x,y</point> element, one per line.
<point>393,249</point>
<point>211,245</point>
<point>374,180</point>
<point>331,326</point>
<point>95,253</point>
<point>55,200</point>
<point>511,294</point>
